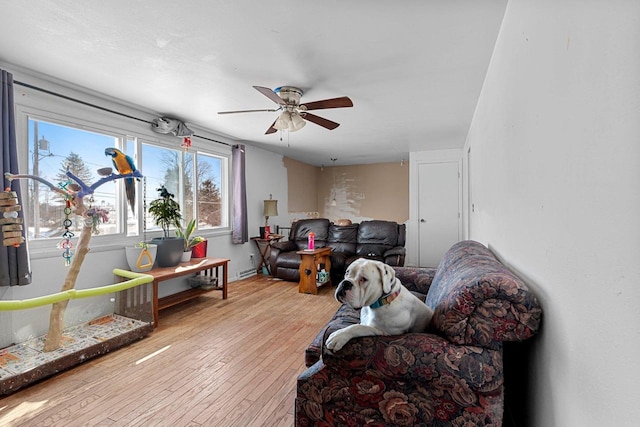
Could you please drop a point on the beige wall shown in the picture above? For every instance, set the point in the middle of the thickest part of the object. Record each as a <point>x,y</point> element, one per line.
<point>362,192</point>
<point>302,186</point>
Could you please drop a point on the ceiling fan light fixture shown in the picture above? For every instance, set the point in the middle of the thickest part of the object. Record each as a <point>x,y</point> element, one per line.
<point>295,115</point>
<point>297,122</point>
<point>283,122</point>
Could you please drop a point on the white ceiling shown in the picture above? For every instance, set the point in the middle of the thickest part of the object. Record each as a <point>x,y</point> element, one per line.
<point>413,69</point>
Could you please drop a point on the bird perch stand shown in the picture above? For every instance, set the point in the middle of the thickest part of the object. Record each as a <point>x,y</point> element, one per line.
<point>74,194</point>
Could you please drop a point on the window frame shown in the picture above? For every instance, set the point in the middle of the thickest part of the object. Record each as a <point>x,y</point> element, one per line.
<point>41,106</point>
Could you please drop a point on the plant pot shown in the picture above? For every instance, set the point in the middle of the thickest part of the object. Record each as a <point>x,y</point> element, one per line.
<point>186,256</point>
<point>170,250</point>
<point>199,250</point>
<point>141,259</point>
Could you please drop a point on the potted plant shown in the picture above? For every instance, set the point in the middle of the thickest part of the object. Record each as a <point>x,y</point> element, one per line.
<point>141,256</point>
<point>189,240</point>
<point>166,213</point>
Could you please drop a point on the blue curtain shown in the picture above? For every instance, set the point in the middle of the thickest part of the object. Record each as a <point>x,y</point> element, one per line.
<point>15,268</point>
<point>240,224</point>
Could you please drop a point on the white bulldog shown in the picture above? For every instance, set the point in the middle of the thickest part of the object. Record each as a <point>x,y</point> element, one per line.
<point>387,307</point>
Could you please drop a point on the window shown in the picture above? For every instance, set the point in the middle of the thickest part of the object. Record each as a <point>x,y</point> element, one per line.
<point>54,150</point>
<point>197,177</point>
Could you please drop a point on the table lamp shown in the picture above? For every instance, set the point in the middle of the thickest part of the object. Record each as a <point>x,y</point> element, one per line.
<point>270,209</point>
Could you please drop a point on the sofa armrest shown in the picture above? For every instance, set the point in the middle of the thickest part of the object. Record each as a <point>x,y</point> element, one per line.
<point>275,249</point>
<point>398,250</point>
<point>481,302</point>
<point>394,256</point>
<point>343,317</point>
<point>287,246</point>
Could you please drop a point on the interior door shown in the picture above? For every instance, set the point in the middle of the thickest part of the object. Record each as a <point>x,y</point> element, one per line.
<point>438,210</point>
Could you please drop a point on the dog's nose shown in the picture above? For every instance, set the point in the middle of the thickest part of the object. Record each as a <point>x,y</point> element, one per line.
<point>341,291</point>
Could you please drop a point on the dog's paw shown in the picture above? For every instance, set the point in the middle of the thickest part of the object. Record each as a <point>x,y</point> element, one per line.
<point>337,340</point>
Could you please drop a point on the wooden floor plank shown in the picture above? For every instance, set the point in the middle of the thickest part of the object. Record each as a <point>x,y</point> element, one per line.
<point>211,362</point>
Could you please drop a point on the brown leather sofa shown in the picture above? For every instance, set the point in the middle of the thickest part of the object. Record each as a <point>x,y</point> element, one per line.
<point>380,240</point>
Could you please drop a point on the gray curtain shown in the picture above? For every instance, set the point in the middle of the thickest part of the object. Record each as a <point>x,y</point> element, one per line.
<point>240,225</point>
<point>15,268</point>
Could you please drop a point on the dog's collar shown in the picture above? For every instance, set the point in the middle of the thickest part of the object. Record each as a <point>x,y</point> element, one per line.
<point>385,299</point>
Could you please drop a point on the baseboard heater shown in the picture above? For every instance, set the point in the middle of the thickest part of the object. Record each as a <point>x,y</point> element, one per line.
<point>246,273</point>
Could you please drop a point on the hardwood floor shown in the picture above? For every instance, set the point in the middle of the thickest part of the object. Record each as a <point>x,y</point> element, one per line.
<point>211,362</point>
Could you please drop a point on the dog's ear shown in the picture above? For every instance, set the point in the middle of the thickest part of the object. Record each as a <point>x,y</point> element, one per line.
<point>387,276</point>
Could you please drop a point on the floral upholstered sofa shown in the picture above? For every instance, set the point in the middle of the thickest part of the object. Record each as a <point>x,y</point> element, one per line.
<point>451,375</point>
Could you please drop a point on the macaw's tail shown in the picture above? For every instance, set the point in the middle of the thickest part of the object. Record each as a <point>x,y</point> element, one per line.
<point>130,189</point>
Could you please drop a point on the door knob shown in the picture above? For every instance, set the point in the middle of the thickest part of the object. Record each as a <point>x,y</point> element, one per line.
<point>423,220</point>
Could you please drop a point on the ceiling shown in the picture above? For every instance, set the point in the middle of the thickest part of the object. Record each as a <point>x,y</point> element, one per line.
<point>413,69</point>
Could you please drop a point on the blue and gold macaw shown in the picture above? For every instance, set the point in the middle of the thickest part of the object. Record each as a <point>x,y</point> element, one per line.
<point>124,165</point>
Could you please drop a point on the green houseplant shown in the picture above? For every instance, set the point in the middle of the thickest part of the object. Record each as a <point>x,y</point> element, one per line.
<point>186,233</point>
<point>189,240</point>
<point>166,213</point>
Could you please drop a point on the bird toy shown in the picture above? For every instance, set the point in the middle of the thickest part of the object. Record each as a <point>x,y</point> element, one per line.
<point>66,245</point>
<point>11,224</point>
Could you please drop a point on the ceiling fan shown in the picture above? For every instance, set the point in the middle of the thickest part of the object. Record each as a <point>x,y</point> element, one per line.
<point>294,114</point>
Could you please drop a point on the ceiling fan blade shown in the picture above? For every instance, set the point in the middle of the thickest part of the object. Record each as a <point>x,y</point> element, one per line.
<point>270,94</point>
<point>271,128</point>
<point>341,102</point>
<point>249,111</point>
<point>321,121</point>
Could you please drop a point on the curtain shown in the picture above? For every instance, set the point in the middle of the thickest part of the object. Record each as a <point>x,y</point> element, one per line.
<point>15,267</point>
<point>240,225</point>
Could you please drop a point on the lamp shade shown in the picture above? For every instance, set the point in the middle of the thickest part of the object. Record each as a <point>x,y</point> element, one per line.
<point>270,208</point>
<point>289,121</point>
<point>297,123</point>
<point>283,122</point>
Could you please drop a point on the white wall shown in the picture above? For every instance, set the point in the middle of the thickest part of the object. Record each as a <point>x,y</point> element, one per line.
<point>555,153</point>
<point>265,174</point>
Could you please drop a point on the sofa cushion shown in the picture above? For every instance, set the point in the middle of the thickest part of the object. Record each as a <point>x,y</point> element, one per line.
<point>478,301</point>
<point>416,279</point>
<point>342,238</point>
<point>376,237</point>
<point>300,231</point>
<point>414,379</point>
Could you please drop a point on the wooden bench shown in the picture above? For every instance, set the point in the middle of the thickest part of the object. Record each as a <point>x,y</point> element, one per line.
<point>216,268</point>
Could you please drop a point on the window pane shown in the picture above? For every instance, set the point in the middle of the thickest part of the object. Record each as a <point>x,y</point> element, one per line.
<point>211,210</point>
<point>54,149</point>
<point>161,166</point>
<point>132,217</point>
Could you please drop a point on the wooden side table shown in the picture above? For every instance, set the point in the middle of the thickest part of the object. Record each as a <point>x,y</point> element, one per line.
<point>309,268</point>
<point>263,249</point>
